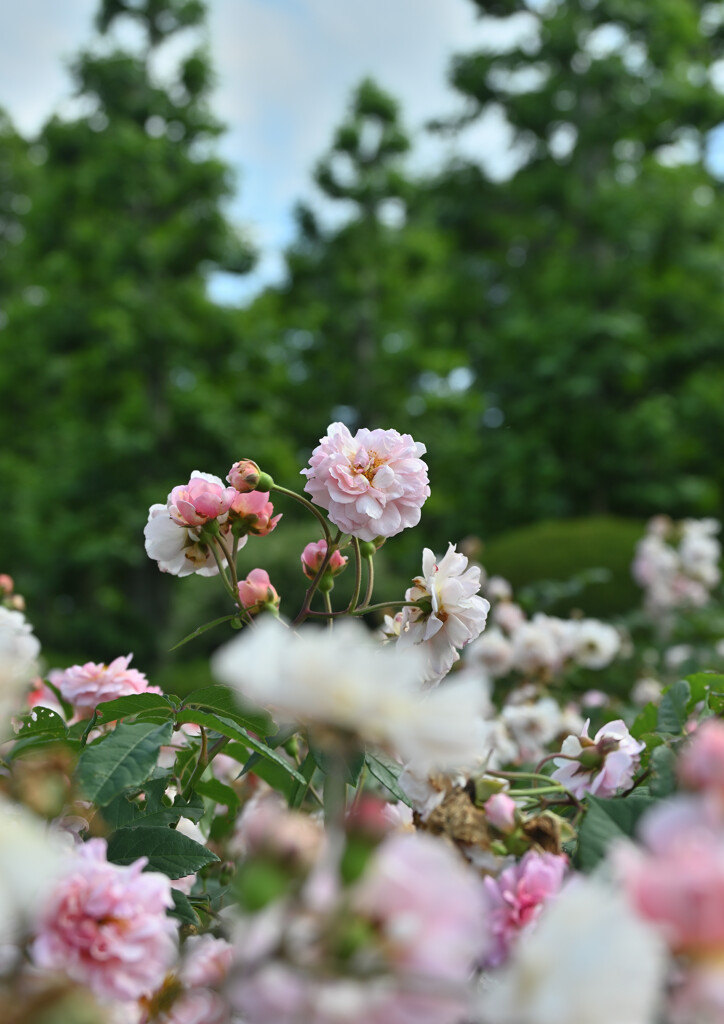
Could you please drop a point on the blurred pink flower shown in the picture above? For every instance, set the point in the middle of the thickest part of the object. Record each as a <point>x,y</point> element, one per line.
<point>256,591</point>
<point>500,810</point>
<point>203,498</point>
<point>372,485</point>
<point>701,765</point>
<point>86,686</point>
<point>516,898</point>
<point>601,766</point>
<point>106,926</point>
<point>254,510</point>
<point>313,556</point>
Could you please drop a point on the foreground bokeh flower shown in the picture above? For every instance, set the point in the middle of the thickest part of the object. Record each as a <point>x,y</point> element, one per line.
<point>342,678</point>
<point>372,485</point>
<point>106,926</point>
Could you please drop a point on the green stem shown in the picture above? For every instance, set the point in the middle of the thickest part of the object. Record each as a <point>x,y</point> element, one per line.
<point>370,584</point>
<point>363,610</point>
<point>357,577</point>
<point>328,609</point>
<point>308,505</point>
<point>206,756</point>
<point>230,560</point>
<point>225,579</point>
<point>521,775</point>
<point>538,791</point>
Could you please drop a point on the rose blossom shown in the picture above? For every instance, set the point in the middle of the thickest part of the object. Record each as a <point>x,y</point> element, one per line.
<point>203,498</point>
<point>313,556</point>
<point>516,898</point>
<point>176,546</point>
<point>255,512</point>
<point>106,927</point>
<point>456,613</point>
<point>600,766</point>
<point>257,592</point>
<point>86,686</point>
<point>372,485</point>
<point>19,650</point>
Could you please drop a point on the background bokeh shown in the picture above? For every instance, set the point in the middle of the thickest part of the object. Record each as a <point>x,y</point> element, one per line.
<point>531,285</point>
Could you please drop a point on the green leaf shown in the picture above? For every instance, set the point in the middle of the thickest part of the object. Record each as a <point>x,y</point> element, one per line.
<point>219,698</point>
<point>229,728</point>
<point>605,821</point>
<point>673,708</point>
<point>122,707</point>
<point>167,850</point>
<point>219,792</point>
<point>41,728</point>
<point>645,721</point>
<point>122,759</point>
<point>183,910</point>
<point>663,763</point>
<point>202,629</point>
<point>386,771</point>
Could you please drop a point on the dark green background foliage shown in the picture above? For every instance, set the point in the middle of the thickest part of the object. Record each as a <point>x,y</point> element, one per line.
<point>554,338</point>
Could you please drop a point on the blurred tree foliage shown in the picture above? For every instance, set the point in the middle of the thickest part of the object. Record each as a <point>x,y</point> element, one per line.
<point>555,337</point>
<point>135,376</point>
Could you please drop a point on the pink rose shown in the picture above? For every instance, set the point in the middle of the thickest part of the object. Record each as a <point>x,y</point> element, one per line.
<point>313,556</point>
<point>516,898</point>
<point>86,686</point>
<point>372,485</point>
<point>256,591</point>
<point>203,498</point>
<point>106,926</point>
<point>253,511</point>
<point>500,810</point>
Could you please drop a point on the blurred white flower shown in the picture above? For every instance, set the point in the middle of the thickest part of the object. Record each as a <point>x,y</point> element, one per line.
<point>595,644</point>
<point>589,959</point>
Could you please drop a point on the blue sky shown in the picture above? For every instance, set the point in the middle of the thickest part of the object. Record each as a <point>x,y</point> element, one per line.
<point>285,69</point>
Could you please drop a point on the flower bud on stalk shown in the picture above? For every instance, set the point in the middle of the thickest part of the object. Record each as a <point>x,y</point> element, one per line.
<point>257,594</point>
<point>313,556</point>
<point>244,476</point>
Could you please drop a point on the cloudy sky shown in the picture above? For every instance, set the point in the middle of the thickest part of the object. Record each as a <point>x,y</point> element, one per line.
<point>285,69</point>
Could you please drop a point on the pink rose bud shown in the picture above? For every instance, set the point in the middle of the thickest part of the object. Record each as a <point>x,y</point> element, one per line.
<point>6,583</point>
<point>313,556</point>
<point>202,499</point>
<point>500,810</point>
<point>252,512</point>
<point>256,591</point>
<point>244,475</point>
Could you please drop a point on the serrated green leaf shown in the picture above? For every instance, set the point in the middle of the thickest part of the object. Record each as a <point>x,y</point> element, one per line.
<point>673,708</point>
<point>41,728</point>
<point>167,850</point>
<point>221,699</point>
<point>605,821</point>
<point>229,728</point>
<point>202,629</point>
<point>702,683</point>
<point>124,758</point>
<point>134,704</point>
<point>213,789</point>
<point>386,771</point>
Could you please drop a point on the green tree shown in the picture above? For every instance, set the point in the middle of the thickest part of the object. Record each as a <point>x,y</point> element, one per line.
<point>134,376</point>
<point>587,286</point>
